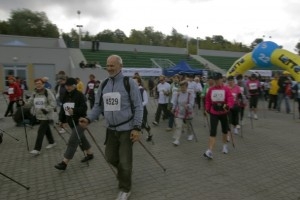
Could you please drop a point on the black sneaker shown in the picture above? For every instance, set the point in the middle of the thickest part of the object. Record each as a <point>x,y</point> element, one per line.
<point>88,157</point>
<point>149,138</point>
<point>61,166</point>
<point>155,123</point>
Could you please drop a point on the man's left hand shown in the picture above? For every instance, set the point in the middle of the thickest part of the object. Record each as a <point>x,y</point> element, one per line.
<point>135,135</point>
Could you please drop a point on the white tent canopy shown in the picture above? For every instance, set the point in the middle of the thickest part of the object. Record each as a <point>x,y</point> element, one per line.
<point>142,71</point>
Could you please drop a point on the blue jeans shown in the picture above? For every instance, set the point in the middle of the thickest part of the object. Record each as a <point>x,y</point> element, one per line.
<point>280,97</point>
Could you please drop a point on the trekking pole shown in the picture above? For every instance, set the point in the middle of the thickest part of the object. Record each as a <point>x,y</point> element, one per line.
<point>60,134</point>
<point>231,136</point>
<point>112,169</point>
<point>8,134</point>
<point>294,115</point>
<point>79,140</point>
<point>27,188</point>
<point>164,169</point>
<point>251,117</point>
<point>192,128</point>
<point>229,129</point>
<point>24,127</point>
<point>4,97</point>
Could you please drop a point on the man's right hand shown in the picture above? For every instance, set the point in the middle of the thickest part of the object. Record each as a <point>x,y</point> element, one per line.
<point>83,122</point>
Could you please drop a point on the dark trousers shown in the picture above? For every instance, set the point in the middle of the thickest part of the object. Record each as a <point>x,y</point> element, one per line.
<point>44,129</point>
<point>160,108</point>
<point>242,110</point>
<point>234,116</point>
<point>198,100</point>
<point>10,108</point>
<point>118,152</point>
<point>74,142</point>
<point>214,121</point>
<point>272,100</point>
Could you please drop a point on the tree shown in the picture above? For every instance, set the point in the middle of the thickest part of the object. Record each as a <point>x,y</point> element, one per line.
<point>256,42</point>
<point>27,23</point>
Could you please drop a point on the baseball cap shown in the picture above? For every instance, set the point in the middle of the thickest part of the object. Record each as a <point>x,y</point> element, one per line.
<point>71,81</point>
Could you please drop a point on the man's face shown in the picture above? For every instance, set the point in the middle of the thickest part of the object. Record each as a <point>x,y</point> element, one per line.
<point>112,66</point>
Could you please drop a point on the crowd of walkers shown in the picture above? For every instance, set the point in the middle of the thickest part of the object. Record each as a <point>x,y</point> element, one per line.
<point>123,103</point>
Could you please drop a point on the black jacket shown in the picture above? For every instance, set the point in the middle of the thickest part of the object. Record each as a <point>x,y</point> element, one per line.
<point>79,110</point>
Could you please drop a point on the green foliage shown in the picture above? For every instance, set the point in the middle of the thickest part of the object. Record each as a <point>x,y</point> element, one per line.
<point>27,23</point>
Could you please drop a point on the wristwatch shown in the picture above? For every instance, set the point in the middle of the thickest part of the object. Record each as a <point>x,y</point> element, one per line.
<point>137,128</point>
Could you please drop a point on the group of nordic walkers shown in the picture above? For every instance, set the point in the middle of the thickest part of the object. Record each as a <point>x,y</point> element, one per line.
<point>123,103</point>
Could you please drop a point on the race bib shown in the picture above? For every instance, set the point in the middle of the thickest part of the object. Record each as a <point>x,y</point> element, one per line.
<point>218,95</point>
<point>252,86</point>
<point>112,101</point>
<point>67,106</point>
<point>39,103</point>
<point>10,91</point>
<point>91,86</point>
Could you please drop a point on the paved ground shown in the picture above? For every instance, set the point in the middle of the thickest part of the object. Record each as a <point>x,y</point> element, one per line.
<point>264,165</point>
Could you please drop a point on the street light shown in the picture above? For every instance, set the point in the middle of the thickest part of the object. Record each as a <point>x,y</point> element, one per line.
<point>187,41</point>
<point>79,29</point>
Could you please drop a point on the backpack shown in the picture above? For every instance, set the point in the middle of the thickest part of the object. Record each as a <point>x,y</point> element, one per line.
<point>127,88</point>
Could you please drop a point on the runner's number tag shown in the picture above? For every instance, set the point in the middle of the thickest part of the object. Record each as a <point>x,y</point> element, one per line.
<point>112,101</point>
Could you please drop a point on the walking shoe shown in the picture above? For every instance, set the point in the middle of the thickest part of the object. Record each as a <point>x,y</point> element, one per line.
<point>255,116</point>
<point>176,142</point>
<point>155,123</point>
<point>238,126</point>
<point>169,129</point>
<point>35,152</point>
<point>123,195</point>
<point>49,146</point>
<point>87,157</point>
<point>235,131</point>
<point>190,137</point>
<point>225,149</point>
<point>62,130</point>
<point>61,166</point>
<point>149,138</point>
<point>228,138</point>
<point>208,154</point>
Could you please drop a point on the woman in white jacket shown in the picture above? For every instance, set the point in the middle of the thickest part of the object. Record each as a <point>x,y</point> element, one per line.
<point>43,103</point>
<point>183,103</point>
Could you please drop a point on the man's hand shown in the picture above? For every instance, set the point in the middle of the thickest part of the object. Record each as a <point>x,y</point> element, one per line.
<point>83,122</point>
<point>135,135</point>
<point>70,111</point>
<point>62,125</point>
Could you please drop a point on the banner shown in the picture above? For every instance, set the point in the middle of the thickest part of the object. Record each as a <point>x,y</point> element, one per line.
<point>142,71</point>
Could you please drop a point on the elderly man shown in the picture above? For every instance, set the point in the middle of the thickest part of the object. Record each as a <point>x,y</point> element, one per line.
<point>121,104</point>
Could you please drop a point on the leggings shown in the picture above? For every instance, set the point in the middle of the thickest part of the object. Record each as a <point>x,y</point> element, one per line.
<point>214,121</point>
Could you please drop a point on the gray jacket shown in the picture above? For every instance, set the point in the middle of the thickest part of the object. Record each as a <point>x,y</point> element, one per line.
<point>116,85</point>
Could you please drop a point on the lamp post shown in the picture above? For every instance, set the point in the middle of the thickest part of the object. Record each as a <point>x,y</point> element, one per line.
<point>79,29</point>
<point>266,37</point>
<point>187,41</point>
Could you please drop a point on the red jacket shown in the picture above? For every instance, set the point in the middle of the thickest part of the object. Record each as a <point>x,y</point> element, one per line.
<point>218,96</point>
<point>14,92</point>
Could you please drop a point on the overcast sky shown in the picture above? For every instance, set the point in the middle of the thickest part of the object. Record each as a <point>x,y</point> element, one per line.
<point>236,20</point>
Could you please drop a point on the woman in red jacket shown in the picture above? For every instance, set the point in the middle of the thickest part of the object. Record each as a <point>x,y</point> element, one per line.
<point>14,94</point>
<point>218,102</point>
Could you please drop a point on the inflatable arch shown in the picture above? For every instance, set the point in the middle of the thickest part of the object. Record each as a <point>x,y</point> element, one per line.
<point>264,55</point>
